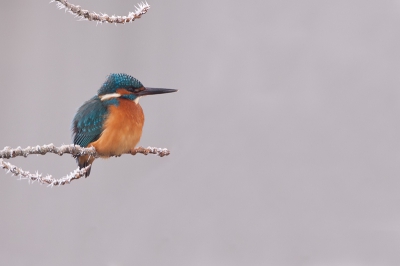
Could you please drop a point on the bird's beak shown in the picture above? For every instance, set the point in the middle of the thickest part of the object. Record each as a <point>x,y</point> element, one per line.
<point>151,91</point>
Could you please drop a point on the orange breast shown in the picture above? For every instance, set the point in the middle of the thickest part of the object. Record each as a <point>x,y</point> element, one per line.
<point>122,129</point>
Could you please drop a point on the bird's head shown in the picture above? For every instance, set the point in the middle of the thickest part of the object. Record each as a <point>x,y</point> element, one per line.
<point>127,87</point>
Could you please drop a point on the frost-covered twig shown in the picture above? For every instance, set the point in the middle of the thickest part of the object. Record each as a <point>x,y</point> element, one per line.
<point>48,179</point>
<point>83,14</point>
<point>74,150</point>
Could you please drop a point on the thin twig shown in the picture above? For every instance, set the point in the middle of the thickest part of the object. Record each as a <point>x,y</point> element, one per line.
<point>49,180</point>
<point>74,150</point>
<point>84,14</point>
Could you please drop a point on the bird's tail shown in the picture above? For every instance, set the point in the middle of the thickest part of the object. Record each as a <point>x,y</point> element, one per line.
<point>84,161</point>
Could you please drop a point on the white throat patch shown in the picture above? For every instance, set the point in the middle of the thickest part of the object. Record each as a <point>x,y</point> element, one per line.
<point>109,96</point>
<point>137,99</point>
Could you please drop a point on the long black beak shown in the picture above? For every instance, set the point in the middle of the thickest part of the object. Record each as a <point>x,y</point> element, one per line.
<point>151,91</point>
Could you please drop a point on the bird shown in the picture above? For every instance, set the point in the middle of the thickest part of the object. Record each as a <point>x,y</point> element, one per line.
<point>111,121</point>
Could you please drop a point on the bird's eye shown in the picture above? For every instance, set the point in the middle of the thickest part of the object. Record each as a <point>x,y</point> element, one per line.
<point>134,90</point>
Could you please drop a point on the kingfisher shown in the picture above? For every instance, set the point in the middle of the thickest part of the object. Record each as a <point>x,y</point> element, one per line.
<point>112,121</point>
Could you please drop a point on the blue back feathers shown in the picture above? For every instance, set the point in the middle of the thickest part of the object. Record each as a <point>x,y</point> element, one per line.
<point>117,81</point>
<point>88,122</point>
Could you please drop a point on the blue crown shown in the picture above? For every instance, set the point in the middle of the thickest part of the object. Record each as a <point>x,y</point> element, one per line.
<point>117,81</point>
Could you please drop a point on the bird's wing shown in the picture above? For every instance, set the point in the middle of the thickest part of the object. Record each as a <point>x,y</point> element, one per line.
<point>88,122</point>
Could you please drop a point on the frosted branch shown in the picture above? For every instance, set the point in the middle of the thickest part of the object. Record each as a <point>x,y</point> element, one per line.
<point>48,179</point>
<point>83,14</point>
<point>74,150</point>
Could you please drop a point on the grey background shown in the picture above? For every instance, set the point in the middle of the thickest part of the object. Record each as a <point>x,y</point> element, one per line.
<point>284,134</point>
